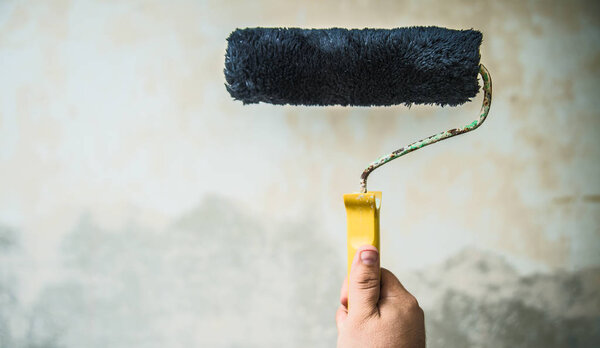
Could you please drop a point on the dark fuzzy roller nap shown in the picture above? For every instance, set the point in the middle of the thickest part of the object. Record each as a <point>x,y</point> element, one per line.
<point>420,65</point>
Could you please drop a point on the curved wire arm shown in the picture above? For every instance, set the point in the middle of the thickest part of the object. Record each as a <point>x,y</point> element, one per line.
<point>485,108</point>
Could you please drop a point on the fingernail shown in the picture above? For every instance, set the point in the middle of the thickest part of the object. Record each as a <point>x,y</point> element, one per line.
<point>369,257</point>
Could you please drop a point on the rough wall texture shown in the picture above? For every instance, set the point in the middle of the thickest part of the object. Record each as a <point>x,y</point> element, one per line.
<point>140,206</point>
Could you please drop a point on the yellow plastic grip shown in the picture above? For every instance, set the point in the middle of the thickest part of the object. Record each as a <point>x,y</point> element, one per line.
<point>362,214</point>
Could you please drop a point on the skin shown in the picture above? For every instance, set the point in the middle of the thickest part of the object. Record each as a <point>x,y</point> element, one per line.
<point>382,313</point>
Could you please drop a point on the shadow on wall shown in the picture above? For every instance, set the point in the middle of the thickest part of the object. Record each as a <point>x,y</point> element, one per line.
<point>214,278</point>
<point>219,278</point>
<point>477,299</point>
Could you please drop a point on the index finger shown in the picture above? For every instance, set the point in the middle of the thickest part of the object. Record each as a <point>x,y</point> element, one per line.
<point>391,288</point>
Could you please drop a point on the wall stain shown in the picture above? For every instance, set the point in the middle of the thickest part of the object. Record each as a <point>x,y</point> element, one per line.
<point>225,276</point>
<point>591,198</point>
<point>564,200</point>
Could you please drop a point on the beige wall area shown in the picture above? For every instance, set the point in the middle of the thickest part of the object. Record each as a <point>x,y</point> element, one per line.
<point>140,206</point>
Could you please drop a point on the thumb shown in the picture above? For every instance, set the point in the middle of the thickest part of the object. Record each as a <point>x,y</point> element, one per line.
<point>364,282</point>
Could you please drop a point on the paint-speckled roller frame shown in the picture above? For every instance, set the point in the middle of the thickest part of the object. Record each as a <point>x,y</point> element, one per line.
<point>485,108</point>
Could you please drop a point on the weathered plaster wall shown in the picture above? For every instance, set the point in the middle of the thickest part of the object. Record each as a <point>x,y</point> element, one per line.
<point>141,206</point>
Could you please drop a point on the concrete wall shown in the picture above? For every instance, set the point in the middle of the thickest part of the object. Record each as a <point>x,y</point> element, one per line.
<point>141,207</point>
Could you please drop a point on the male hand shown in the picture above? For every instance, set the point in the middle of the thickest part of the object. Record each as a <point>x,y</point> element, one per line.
<point>382,313</point>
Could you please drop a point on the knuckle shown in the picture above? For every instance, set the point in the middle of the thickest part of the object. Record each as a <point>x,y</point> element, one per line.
<point>418,312</point>
<point>367,282</point>
<point>411,307</point>
<point>412,302</point>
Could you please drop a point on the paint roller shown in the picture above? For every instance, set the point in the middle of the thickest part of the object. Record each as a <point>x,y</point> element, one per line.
<point>359,67</point>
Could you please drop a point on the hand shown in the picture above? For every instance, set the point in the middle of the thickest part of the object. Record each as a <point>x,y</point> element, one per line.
<point>382,313</point>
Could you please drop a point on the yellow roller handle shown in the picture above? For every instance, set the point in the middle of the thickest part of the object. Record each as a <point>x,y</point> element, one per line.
<point>362,212</point>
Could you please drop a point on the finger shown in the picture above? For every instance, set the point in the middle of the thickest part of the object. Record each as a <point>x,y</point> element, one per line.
<point>344,293</point>
<point>363,288</point>
<point>391,286</point>
<point>394,296</point>
<point>340,316</point>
